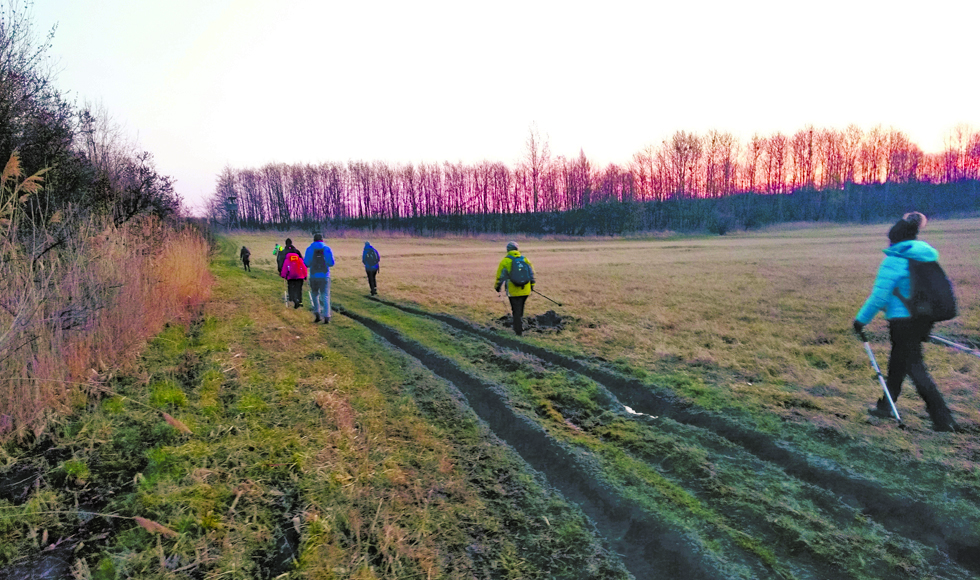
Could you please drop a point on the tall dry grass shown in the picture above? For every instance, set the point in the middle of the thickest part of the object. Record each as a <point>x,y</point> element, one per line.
<point>81,302</point>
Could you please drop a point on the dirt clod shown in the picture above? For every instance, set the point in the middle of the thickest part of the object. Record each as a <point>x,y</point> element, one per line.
<point>547,322</point>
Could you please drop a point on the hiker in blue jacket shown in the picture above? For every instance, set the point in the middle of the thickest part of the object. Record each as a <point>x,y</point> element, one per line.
<point>371,259</point>
<point>319,260</point>
<point>907,333</point>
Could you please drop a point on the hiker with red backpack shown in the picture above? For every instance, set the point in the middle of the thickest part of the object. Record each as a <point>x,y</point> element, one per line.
<point>517,272</point>
<point>319,260</point>
<point>372,263</point>
<point>294,271</point>
<point>908,322</point>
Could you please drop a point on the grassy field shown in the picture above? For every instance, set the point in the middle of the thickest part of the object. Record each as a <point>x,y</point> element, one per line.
<point>770,311</point>
<point>700,415</point>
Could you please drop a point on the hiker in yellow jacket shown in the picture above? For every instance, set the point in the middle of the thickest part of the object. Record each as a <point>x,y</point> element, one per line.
<point>517,272</point>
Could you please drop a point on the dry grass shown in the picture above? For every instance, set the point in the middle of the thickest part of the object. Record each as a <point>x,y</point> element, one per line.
<point>772,309</point>
<point>87,307</point>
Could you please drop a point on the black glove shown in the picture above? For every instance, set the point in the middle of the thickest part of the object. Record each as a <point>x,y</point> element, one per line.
<point>859,329</point>
<point>496,288</point>
<point>532,286</point>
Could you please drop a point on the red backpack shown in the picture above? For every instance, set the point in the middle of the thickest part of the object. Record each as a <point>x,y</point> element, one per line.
<point>295,267</point>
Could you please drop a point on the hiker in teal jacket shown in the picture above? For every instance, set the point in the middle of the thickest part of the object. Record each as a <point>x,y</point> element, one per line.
<point>907,334</point>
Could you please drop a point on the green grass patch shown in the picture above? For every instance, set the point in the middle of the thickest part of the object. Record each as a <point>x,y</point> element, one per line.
<point>315,442</point>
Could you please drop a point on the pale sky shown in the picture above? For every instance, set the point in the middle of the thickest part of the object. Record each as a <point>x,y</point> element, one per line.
<point>208,83</point>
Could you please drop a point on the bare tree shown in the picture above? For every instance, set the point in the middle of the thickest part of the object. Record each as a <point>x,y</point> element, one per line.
<point>537,156</point>
<point>754,154</point>
<point>683,153</point>
<point>776,147</point>
<point>903,158</point>
<point>973,157</point>
<point>954,154</point>
<point>802,150</point>
<point>872,156</point>
<point>721,151</point>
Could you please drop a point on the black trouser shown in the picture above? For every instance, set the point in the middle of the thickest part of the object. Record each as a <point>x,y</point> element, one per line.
<point>295,289</point>
<point>517,306</point>
<point>372,280</point>
<point>245,265</point>
<point>907,336</point>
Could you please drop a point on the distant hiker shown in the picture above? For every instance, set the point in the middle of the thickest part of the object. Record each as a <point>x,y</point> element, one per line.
<point>294,271</point>
<point>516,271</point>
<point>245,254</point>
<point>372,263</point>
<point>319,259</point>
<point>891,289</point>
<point>279,253</point>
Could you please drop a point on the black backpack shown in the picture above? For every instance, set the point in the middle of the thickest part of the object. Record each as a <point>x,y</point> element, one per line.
<point>932,296</point>
<point>319,265</point>
<point>520,272</point>
<point>371,257</point>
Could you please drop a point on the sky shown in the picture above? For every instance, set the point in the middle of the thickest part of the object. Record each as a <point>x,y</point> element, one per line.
<point>204,84</point>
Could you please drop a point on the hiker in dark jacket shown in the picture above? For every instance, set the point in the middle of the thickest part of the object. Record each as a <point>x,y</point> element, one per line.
<point>907,333</point>
<point>276,249</point>
<point>245,255</point>
<point>292,273</point>
<point>319,260</point>
<point>280,254</point>
<point>371,259</point>
<point>516,293</point>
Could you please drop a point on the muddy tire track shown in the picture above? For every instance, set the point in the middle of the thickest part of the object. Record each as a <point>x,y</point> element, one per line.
<point>906,516</point>
<point>650,547</point>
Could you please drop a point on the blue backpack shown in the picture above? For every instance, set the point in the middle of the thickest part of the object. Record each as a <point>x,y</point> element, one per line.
<point>319,265</point>
<point>371,257</point>
<point>520,272</point>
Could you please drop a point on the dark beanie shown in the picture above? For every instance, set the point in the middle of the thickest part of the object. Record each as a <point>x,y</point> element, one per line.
<point>906,228</point>
<point>317,237</point>
<point>289,242</point>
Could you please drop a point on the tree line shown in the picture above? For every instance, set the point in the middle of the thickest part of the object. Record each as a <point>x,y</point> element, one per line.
<point>92,169</point>
<point>814,174</point>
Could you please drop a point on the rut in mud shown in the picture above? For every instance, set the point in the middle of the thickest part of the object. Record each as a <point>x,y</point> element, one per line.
<point>906,516</point>
<point>650,548</point>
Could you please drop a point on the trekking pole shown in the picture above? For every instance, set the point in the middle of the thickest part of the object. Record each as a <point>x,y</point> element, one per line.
<point>881,378</point>
<point>545,297</point>
<point>952,344</point>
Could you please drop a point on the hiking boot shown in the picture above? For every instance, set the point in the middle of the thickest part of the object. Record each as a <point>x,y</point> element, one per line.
<point>943,422</point>
<point>880,410</point>
<point>316,317</point>
<point>326,320</point>
<point>297,305</point>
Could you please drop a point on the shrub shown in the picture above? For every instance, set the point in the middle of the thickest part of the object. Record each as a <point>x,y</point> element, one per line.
<point>80,298</point>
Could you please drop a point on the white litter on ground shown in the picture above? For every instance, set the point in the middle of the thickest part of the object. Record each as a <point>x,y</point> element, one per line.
<point>632,412</point>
